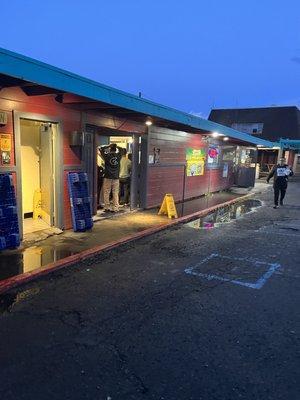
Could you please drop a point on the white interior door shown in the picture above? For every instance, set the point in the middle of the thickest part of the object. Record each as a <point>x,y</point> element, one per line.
<point>46,173</point>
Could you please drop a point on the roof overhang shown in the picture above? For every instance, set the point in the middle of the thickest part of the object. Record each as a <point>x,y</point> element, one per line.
<point>289,144</point>
<point>40,74</point>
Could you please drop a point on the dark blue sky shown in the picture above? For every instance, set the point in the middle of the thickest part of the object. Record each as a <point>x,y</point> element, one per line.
<point>191,55</point>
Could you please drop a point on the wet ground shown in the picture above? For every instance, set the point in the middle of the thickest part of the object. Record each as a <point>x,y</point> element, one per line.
<point>187,314</point>
<point>225,214</point>
<point>33,255</point>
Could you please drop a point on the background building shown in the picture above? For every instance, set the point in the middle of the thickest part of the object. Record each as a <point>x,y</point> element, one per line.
<point>270,123</point>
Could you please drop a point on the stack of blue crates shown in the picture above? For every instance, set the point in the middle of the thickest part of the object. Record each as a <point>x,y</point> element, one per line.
<point>9,225</point>
<point>81,202</point>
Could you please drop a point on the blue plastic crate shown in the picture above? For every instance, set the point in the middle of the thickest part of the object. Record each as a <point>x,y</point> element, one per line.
<point>6,181</point>
<point>13,240</point>
<point>9,225</point>
<point>80,224</point>
<point>73,177</point>
<point>80,201</point>
<point>10,211</point>
<point>83,177</point>
<point>2,243</point>
<point>89,223</point>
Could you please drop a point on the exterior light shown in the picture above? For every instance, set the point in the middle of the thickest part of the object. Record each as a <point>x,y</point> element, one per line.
<point>225,138</point>
<point>259,145</point>
<point>148,122</point>
<point>215,134</point>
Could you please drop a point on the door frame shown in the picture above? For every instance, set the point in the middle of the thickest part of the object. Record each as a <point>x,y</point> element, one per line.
<point>135,181</point>
<point>57,159</point>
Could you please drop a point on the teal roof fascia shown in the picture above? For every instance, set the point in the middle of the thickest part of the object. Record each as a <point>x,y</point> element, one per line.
<point>289,144</point>
<point>35,71</point>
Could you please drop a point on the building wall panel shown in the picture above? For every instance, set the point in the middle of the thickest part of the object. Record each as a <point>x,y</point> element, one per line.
<point>169,176</point>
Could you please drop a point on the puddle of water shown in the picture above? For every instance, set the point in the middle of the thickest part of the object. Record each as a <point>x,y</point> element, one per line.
<point>18,262</point>
<point>225,215</point>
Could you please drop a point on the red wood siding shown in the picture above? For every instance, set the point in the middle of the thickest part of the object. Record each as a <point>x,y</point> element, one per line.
<point>162,180</point>
<point>168,175</point>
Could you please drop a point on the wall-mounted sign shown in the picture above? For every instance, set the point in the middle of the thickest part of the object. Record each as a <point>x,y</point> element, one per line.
<point>213,152</point>
<point>5,142</point>
<point>5,157</point>
<point>195,159</point>
<point>213,156</point>
<point>151,159</point>
<point>3,117</point>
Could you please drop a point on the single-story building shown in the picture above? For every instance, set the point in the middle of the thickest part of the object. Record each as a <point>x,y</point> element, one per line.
<point>274,124</point>
<point>52,122</point>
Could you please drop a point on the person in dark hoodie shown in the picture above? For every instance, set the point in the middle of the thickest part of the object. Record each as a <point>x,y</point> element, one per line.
<point>280,174</point>
<point>111,155</point>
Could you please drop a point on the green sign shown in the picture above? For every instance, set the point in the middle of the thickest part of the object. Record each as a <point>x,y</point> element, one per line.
<point>195,159</point>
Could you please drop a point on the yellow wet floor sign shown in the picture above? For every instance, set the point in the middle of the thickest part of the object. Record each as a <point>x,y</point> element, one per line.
<point>37,204</point>
<point>168,207</point>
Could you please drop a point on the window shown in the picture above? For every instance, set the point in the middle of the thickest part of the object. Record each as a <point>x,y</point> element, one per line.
<point>252,128</point>
<point>229,153</point>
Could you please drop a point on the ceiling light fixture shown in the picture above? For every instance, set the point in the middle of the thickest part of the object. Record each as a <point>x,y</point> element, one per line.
<point>148,122</point>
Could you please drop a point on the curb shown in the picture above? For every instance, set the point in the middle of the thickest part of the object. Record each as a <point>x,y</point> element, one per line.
<point>19,280</point>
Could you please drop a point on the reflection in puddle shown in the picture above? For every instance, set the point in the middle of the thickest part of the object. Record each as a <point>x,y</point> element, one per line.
<point>37,256</point>
<point>21,261</point>
<point>225,215</point>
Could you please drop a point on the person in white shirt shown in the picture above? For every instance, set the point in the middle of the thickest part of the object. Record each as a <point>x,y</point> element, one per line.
<point>125,171</point>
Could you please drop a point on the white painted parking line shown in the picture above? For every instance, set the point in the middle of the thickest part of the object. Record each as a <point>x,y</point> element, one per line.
<point>258,284</point>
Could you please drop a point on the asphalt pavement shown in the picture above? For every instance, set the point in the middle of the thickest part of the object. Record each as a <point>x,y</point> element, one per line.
<point>187,314</point>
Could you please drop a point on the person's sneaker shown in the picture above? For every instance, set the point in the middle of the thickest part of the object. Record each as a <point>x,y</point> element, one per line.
<point>275,207</point>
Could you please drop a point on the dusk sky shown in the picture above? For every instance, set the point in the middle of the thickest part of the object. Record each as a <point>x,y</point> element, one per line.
<point>191,55</point>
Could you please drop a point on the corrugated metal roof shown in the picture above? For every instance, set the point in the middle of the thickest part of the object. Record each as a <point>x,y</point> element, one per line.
<point>31,70</point>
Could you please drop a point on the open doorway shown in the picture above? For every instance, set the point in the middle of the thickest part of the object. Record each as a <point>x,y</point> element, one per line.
<point>37,174</point>
<point>125,146</point>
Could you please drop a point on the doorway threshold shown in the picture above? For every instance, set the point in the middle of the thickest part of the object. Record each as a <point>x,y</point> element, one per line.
<point>101,214</point>
<point>38,236</point>
<point>31,225</point>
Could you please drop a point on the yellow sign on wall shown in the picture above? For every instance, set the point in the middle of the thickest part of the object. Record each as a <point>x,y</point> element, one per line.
<point>168,207</point>
<point>5,142</point>
<point>195,159</point>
